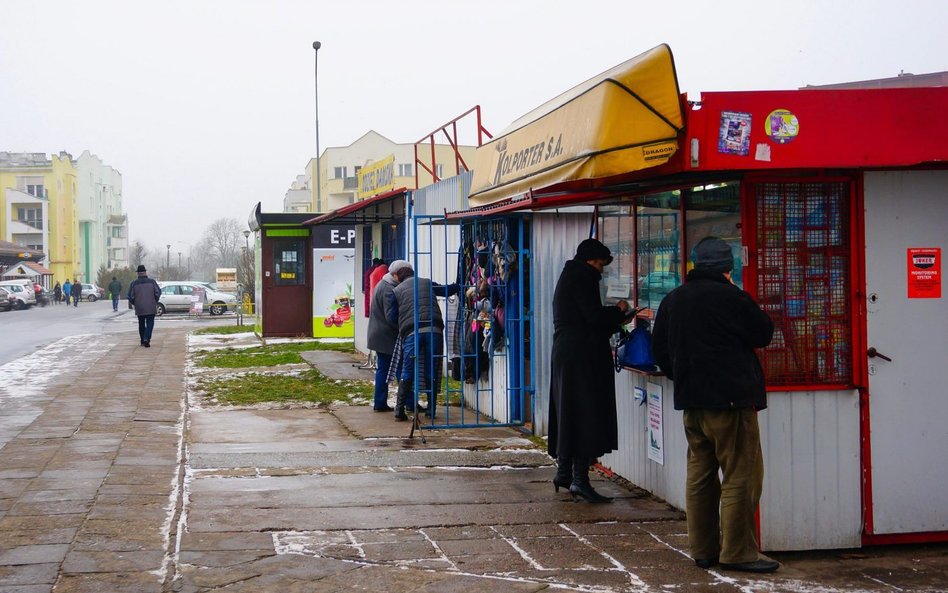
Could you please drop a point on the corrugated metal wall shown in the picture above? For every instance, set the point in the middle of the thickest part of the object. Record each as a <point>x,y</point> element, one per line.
<point>555,237</point>
<point>812,497</point>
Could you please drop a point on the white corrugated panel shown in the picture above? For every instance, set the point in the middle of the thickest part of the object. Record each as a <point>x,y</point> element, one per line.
<point>811,496</point>
<point>555,237</point>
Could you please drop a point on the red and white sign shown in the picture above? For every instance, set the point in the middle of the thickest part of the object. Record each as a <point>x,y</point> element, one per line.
<point>924,272</point>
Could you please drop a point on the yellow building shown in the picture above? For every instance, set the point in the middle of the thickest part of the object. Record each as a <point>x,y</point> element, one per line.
<point>31,180</point>
<point>339,168</point>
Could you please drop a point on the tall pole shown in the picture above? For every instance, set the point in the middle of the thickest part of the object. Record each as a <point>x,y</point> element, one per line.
<point>179,260</point>
<point>168,257</point>
<point>316,46</point>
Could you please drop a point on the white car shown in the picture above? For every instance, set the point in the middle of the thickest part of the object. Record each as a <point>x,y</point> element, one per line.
<point>22,290</point>
<point>179,296</point>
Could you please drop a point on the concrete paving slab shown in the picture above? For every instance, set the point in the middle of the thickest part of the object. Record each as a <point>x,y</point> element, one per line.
<point>338,365</point>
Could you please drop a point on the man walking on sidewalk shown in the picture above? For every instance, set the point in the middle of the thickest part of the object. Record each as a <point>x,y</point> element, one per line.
<point>143,294</point>
<point>705,334</point>
<point>76,292</point>
<point>115,289</point>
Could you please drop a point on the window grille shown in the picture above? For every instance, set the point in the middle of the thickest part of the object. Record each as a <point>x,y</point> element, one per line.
<point>803,281</point>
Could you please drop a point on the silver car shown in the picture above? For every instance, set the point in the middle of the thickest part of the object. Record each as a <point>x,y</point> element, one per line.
<point>181,296</point>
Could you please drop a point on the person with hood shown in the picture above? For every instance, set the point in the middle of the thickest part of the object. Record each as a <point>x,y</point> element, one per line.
<point>57,293</point>
<point>115,290</point>
<point>705,334</point>
<point>67,290</point>
<point>582,422</point>
<point>143,294</point>
<point>382,333</point>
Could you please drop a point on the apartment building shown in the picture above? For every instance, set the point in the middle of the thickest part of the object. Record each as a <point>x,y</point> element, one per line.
<point>102,223</point>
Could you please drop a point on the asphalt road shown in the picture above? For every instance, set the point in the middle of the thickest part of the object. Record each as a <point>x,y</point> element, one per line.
<point>24,332</point>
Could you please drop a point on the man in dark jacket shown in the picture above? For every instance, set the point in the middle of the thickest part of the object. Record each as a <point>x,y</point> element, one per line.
<point>582,422</point>
<point>429,332</point>
<point>115,290</point>
<point>382,333</point>
<point>143,294</point>
<point>76,292</point>
<point>705,335</point>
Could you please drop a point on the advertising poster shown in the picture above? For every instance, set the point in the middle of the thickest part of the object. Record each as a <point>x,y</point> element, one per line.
<point>197,301</point>
<point>333,280</point>
<point>734,136</point>
<point>656,442</point>
<point>924,273</point>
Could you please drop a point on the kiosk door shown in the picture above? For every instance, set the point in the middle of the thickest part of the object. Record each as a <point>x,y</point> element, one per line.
<point>907,343</point>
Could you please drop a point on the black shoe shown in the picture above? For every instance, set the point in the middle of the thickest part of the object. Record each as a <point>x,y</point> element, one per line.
<point>760,565</point>
<point>146,344</point>
<point>706,563</point>
<point>400,415</point>
<point>563,482</point>
<point>586,492</point>
<point>387,408</point>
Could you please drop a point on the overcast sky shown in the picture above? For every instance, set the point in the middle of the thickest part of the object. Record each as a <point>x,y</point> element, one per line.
<point>207,107</point>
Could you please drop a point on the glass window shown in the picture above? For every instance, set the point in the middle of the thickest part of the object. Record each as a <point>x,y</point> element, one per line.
<point>404,170</point>
<point>616,227</point>
<point>715,210</point>
<point>439,171</point>
<point>658,253</point>
<point>171,289</point>
<point>186,290</point>
<point>339,172</point>
<point>289,263</point>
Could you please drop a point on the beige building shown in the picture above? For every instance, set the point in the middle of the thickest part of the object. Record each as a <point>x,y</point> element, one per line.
<point>339,168</point>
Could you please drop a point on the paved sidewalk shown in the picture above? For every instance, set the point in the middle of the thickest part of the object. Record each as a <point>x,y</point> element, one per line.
<point>119,477</point>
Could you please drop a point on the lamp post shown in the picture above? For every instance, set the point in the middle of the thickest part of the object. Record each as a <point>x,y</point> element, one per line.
<point>247,240</point>
<point>168,257</point>
<point>316,46</point>
<point>179,260</point>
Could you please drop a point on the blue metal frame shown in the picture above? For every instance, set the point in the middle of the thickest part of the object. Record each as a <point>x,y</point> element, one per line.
<point>518,320</point>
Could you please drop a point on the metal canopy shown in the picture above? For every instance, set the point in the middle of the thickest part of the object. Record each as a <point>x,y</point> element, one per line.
<point>380,208</point>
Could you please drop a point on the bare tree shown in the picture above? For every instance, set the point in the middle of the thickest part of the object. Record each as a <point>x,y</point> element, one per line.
<point>224,240</point>
<point>136,254</point>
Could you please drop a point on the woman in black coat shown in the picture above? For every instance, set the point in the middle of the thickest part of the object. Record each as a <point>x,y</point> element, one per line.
<point>582,424</point>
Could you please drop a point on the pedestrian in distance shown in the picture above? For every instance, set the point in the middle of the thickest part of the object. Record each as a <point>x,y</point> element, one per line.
<point>382,333</point>
<point>115,290</point>
<point>67,291</point>
<point>429,334</point>
<point>143,295</point>
<point>57,293</point>
<point>76,292</point>
<point>705,334</point>
<point>582,422</point>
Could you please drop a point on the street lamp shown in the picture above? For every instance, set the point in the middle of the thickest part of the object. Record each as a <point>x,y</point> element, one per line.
<point>168,257</point>
<point>179,262</point>
<point>316,46</point>
<point>247,240</point>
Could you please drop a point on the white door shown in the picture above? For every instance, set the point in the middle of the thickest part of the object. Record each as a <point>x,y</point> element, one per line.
<point>908,395</point>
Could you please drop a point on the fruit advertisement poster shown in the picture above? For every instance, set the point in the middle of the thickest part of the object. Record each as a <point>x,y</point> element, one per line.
<point>333,300</point>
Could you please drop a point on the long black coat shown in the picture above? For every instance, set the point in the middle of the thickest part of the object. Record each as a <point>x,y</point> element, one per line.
<point>582,379</point>
<point>704,339</point>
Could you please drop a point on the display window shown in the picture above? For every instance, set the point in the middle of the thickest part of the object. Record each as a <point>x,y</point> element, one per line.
<point>799,232</point>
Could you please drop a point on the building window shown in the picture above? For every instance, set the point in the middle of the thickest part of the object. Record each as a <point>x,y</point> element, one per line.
<point>803,281</point>
<point>439,171</point>
<point>36,191</point>
<point>289,262</point>
<point>339,172</point>
<point>366,255</point>
<point>30,216</point>
<point>117,232</point>
<point>118,254</point>
<point>404,170</point>
<point>393,240</point>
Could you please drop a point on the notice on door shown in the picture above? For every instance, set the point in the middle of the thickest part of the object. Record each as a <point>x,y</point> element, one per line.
<point>656,441</point>
<point>924,272</point>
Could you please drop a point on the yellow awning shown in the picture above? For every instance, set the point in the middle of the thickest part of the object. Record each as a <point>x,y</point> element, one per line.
<point>626,119</point>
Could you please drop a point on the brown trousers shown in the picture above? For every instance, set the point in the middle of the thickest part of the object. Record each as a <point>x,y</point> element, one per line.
<point>721,511</point>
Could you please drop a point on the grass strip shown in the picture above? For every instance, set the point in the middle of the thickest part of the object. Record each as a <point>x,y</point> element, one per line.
<point>308,386</point>
<point>263,356</point>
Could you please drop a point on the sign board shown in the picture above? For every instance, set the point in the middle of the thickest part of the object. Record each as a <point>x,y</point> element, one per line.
<point>377,178</point>
<point>333,301</point>
<point>924,272</point>
<point>197,300</point>
<point>656,441</point>
<point>333,236</point>
<point>226,279</point>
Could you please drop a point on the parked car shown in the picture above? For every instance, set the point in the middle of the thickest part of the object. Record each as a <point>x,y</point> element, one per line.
<point>7,299</point>
<point>177,296</point>
<point>23,291</point>
<point>92,293</point>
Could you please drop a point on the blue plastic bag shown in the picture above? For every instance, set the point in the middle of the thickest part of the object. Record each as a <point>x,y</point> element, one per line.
<point>635,348</point>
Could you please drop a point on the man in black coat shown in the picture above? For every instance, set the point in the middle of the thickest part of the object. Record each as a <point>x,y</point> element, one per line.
<point>705,335</point>
<point>582,424</point>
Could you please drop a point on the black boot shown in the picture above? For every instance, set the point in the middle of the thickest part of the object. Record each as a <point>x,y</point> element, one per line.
<point>580,487</point>
<point>564,473</point>
<point>404,387</point>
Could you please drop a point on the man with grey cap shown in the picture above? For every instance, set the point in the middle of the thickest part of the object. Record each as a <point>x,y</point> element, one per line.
<point>705,334</point>
<point>382,333</point>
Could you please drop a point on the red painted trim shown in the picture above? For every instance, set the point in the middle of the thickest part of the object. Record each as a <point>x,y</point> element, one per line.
<point>886,539</point>
<point>356,206</point>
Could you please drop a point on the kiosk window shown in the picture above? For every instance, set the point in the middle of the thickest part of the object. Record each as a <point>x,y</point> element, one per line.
<point>803,281</point>
<point>289,261</point>
<point>658,247</point>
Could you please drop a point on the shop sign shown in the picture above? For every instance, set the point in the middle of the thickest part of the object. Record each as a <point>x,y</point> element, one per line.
<point>377,178</point>
<point>924,272</point>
